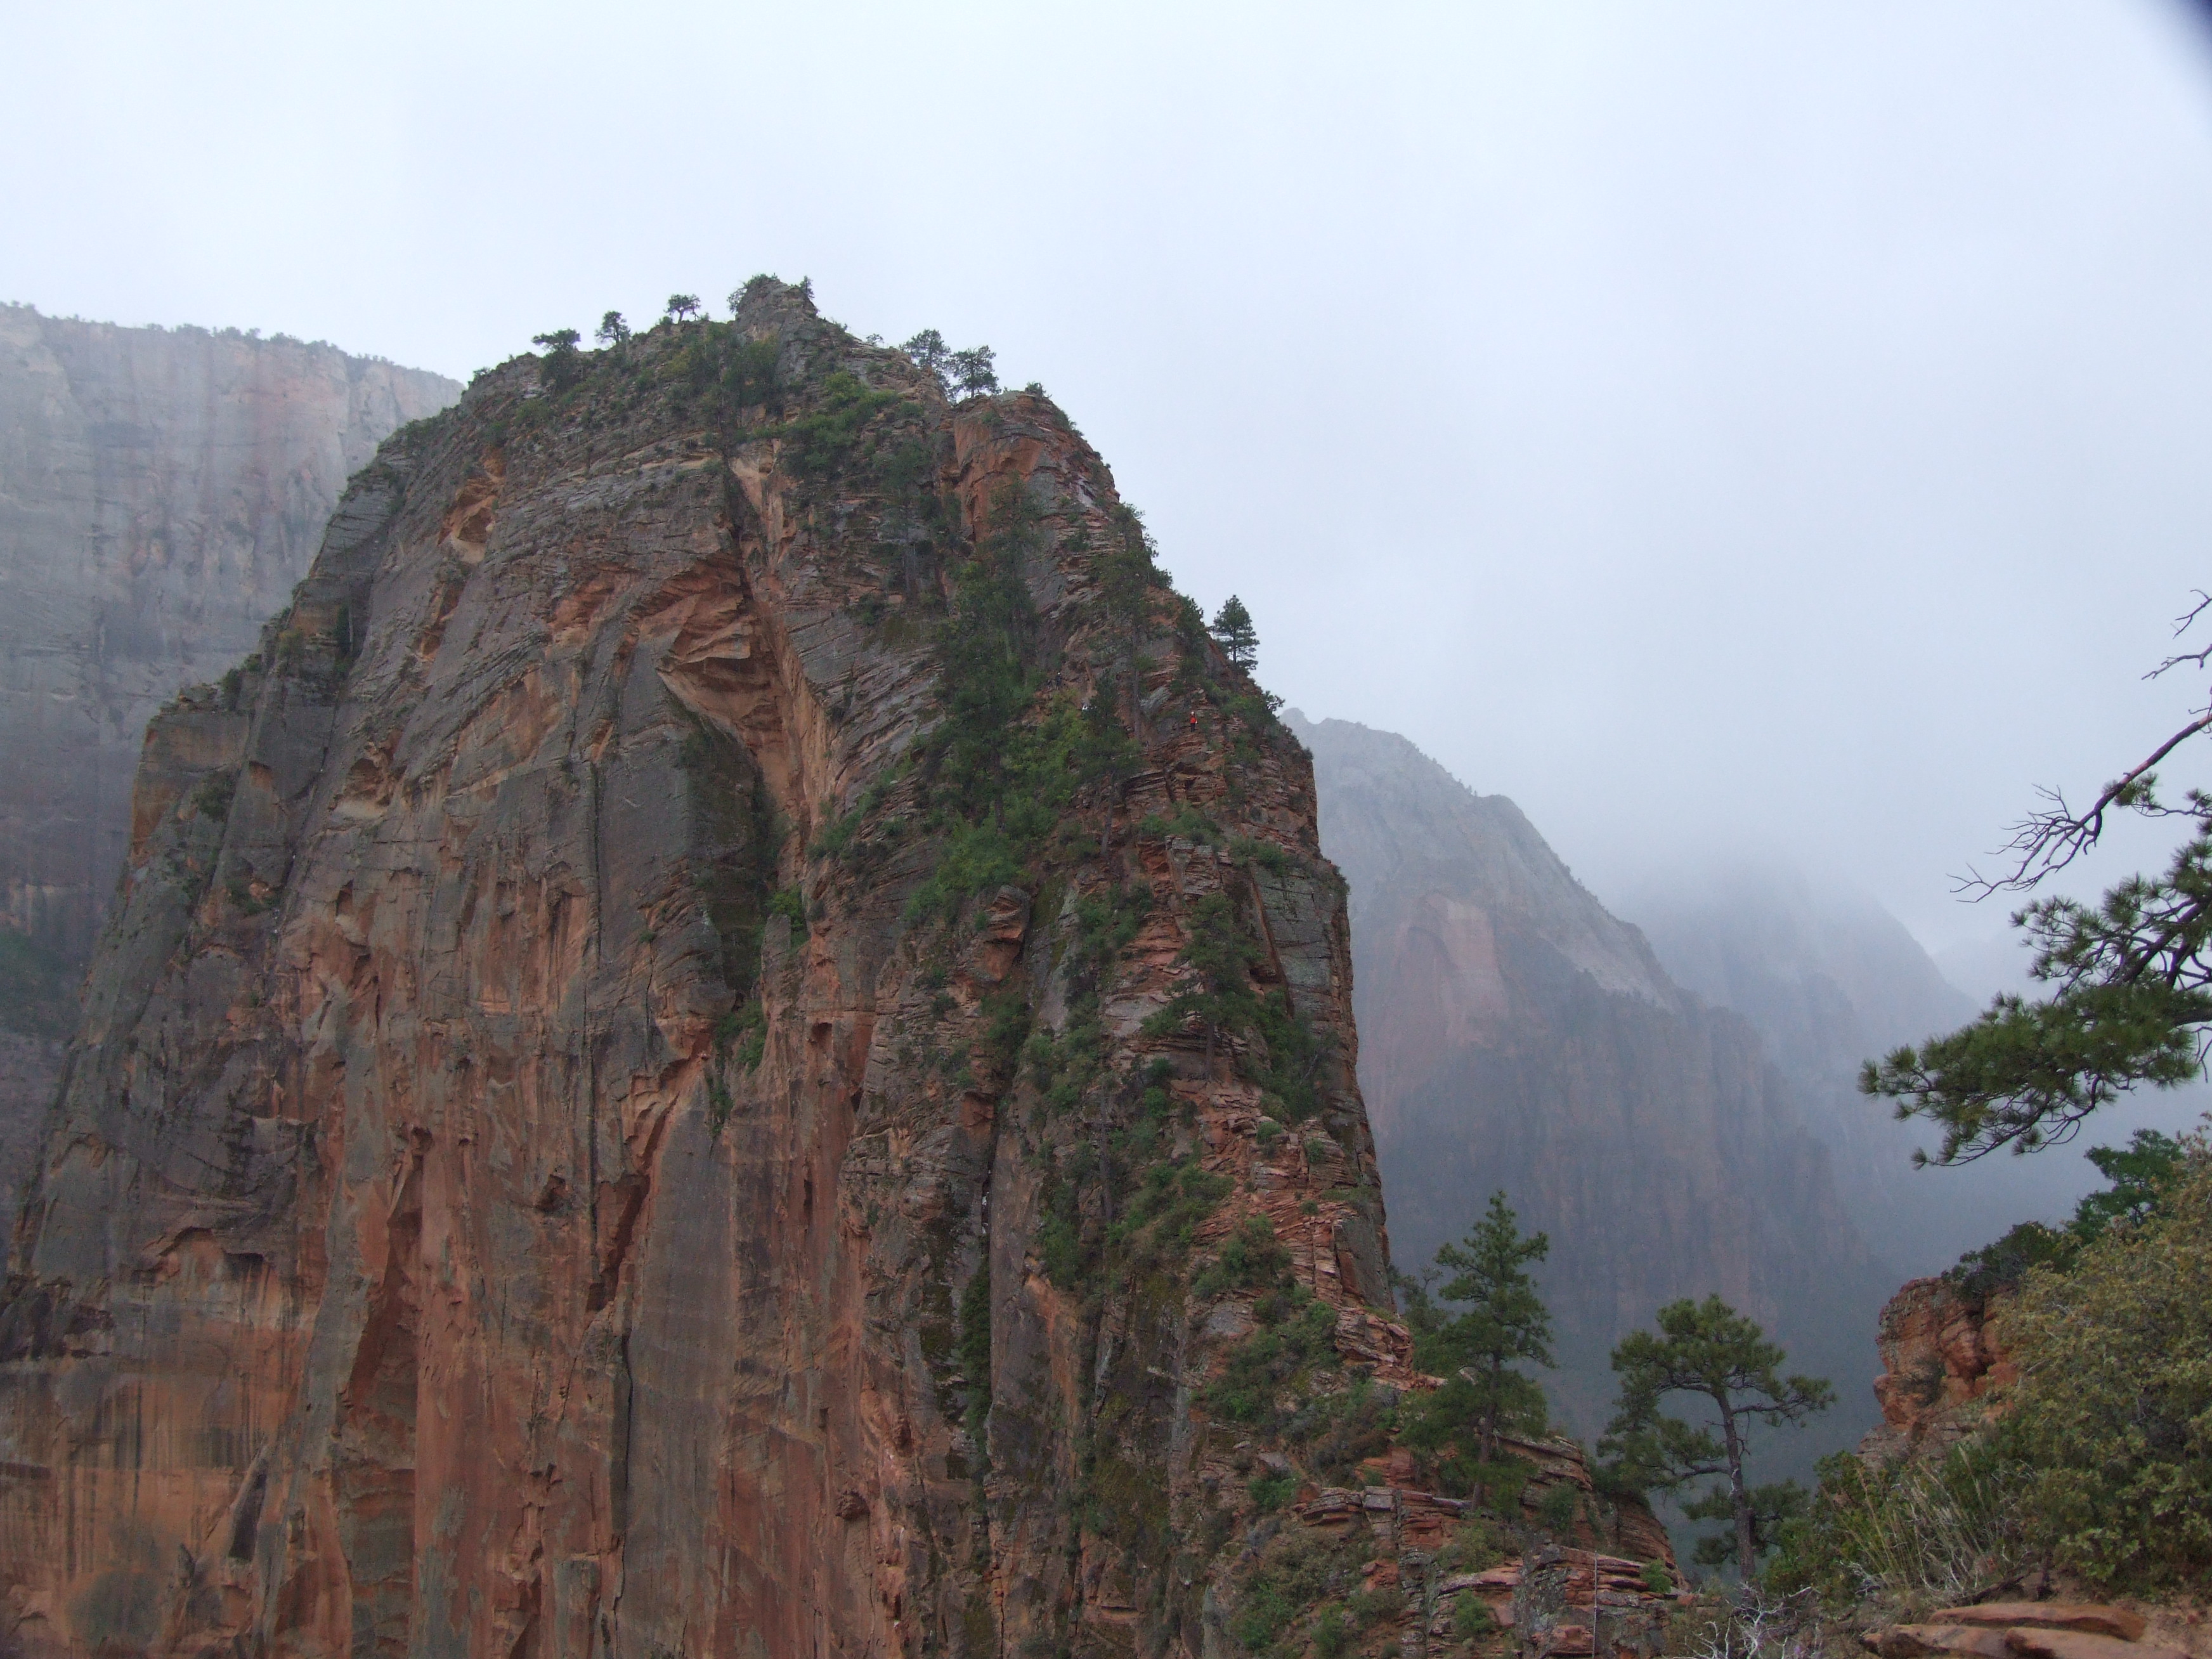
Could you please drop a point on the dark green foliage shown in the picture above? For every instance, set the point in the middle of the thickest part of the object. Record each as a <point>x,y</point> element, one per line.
<point>1185,822</point>
<point>613,330</point>
<point>1171,1203</point>
<point>2113,1415</point>
<point>1251,1258</point>
<point>1503,1324</point>
<point>734,377</point>
<point>820,441</point>
<point>563,366</point>
<point>1472,1619</point>
<point>1296,1334</point>
<point>966,374</point>
<point>1772,1507</point>
<point>974,1350</point>
<point>2132,995</point>
<point>1373,1607</point>
<point>212,799</point>
<point>1296,1573</point>
<point>681,308</point>
<point>1557,1510</point>
<point>1271,1492</point>
<point>998,774</point>
<point>1910,1529</point>
<point>1238,639</point>
<point>2138,1173</point>
<point>1709,1350</point>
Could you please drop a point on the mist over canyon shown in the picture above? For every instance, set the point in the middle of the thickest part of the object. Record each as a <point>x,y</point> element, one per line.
<point>725,1024</point>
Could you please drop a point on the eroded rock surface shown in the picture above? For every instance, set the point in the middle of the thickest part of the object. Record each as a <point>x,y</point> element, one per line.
<point>587,1137</point>
<point>1943,1366</point>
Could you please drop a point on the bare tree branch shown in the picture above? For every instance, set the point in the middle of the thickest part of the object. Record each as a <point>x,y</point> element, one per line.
<point>2181,625</point>
<point>2051,841</point>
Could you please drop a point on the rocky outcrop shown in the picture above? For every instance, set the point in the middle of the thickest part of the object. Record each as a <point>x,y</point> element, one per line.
<point>1943,1368</point>
<point>160,491</point>
<point>2022,1630</point>
<point>736,1040</point>
<point>1604,1585</point>
<point>1517,1035</point>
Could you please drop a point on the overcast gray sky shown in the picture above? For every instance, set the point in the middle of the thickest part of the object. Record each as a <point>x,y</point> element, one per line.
<point>1774,426</point>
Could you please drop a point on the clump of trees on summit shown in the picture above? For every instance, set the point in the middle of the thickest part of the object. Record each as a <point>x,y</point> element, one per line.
<point>968,373</point>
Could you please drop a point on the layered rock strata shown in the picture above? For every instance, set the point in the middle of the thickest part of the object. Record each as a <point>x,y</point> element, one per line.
<point>1944,1368</point>
<point>735,1040</point>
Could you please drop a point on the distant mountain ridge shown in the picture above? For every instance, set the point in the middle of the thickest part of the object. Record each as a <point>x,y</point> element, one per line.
<point>1515,1034</point>
<point>160,492</point>
<point>1829,978</point>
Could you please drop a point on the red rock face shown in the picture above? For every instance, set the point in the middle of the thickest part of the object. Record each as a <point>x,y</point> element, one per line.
<point>538,1175</point>
<point>1943,1364</point>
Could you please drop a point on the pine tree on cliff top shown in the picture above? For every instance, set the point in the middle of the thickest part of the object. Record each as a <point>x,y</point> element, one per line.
<point>2132,977</point>
<point>1232,629</point>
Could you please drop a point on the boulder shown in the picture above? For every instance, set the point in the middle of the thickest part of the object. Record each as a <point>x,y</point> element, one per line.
<point>2088,1617</point>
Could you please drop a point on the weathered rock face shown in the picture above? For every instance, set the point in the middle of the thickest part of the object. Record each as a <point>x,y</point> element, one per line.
<point>1517,1035</point>
<point>1943,1366</point>
<point>160,491</point>
<point>628,1109</point>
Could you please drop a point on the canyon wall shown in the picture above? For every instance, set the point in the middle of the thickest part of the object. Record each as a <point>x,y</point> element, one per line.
<point>160,491</point>
<point>734,1038</point>
<point>1517,1035</point>
<point>1831,979</point>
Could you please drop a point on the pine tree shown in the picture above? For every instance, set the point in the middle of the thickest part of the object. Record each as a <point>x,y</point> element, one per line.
<point>1504,1325</point>
<point>682,307</point>
<point>1239,641</point>
<point>972,373</point>
<point>563,365</point>
<point>2130,977</point>
<point>1708,1349</point>
<point>613,330</point>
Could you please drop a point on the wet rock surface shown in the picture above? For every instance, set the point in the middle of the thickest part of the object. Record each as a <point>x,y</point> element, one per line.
<point>1943,1368</point>
<point>556,1163</point>
<point>160,491</point>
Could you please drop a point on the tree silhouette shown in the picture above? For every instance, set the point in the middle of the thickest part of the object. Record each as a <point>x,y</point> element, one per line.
<point>682,307</point>
<point>1233,628</point>
<point>613,330</point>
<point>1708,1349</point>
<point>564,367</point>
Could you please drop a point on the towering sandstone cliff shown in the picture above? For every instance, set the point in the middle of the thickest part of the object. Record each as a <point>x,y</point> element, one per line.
<point>160,491</point>
<point>699,1057</point>
<point>1518,1035</point>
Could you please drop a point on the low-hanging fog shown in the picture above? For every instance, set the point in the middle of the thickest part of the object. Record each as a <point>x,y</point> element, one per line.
<point>1722,428</point>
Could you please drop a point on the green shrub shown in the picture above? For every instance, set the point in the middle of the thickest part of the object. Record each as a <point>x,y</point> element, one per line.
<point>1472,1619</point>
<point>1373,1607</point>
<point>1906,1531</point>
<point>2114,1412</point>
<point>1271,1492</point>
